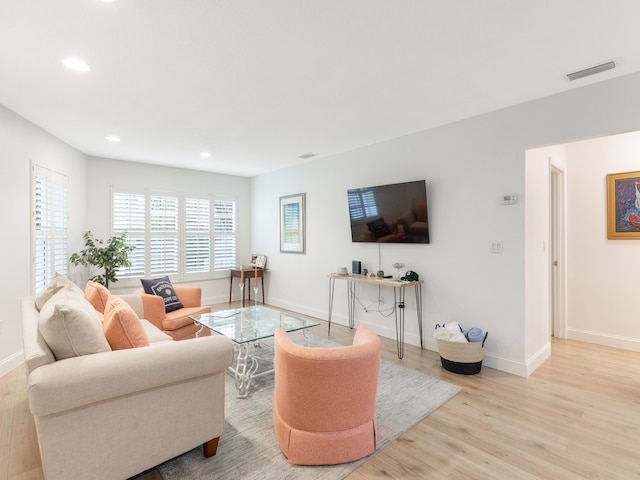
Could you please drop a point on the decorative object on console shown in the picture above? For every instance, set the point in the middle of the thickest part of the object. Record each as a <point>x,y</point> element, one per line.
<point>259,261</point>
<point>356,267</point>
<point>398,266</point>
<point>623,206</point>
<point>292,223</point>
<point>162,287</point>
<point>411,276</point>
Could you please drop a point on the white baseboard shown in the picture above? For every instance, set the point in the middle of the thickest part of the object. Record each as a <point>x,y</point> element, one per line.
<point>11,362</point>
<point>490,360</point>
<point>606,339</point>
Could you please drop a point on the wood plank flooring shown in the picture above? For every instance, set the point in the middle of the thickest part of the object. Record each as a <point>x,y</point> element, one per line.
<point>576,417</point>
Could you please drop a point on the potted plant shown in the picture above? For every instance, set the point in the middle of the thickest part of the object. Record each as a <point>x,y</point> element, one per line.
<point>107,256</point>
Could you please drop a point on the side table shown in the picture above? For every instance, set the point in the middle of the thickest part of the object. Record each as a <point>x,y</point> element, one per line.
<point>249,274</point>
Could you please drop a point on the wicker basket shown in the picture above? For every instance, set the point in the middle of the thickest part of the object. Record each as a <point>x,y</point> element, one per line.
<point>463,358</point>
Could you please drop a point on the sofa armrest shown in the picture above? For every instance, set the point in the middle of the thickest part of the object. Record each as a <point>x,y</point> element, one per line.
<point>79,381</point>
<point>188,295</point>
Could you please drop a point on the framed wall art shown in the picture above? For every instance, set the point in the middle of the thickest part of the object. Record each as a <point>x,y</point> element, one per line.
<point>292,223</point>
<point>623,206</point>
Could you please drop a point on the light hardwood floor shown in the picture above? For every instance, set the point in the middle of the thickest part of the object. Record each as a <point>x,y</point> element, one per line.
<point>576,417</point>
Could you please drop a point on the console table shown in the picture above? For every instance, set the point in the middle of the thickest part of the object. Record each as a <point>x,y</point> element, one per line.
<point>249,273</point>
<point>399,289</point>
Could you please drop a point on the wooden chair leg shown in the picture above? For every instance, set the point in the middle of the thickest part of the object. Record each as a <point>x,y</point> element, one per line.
<point>211,447</point>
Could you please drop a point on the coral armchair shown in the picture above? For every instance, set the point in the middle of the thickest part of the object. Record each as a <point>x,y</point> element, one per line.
<point>324,405</point>
<point>177,323</point>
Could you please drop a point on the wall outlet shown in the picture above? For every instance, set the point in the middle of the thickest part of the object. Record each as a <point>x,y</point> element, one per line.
<point>496,246</point>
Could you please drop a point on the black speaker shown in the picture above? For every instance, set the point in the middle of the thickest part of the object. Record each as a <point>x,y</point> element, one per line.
<point>356,266</point>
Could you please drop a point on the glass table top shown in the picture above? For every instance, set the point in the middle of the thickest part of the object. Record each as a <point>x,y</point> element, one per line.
<point>252,323</point>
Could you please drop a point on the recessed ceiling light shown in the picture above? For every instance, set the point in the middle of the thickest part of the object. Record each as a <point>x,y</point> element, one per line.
<point>205,155</point>
<point>76,64</point>
<point>112,138</point>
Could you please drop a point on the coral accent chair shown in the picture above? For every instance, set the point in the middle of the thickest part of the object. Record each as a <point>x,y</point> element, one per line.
<point>177,324</point>
<point>324,405</point>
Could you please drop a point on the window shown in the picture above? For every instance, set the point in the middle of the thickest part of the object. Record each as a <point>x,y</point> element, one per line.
<point>173,233</point>
<point>50,224</point>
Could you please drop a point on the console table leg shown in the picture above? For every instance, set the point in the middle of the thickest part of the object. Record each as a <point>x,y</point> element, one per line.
<point>351,295</point>
<point>399,314</point>
<point>418,293</point>
<point>332,283</point>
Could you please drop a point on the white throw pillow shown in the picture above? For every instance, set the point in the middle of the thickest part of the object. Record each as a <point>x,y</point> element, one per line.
<point>59,282</point>
<point>71,327</point>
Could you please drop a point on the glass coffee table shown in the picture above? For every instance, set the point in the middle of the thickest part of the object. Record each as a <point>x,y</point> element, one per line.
<point>247,327</point>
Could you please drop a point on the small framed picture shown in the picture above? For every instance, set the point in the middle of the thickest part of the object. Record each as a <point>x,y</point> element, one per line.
<point>259,261</point>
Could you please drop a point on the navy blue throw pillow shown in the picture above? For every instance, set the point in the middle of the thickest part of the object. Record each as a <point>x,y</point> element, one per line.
<point>163,288</point>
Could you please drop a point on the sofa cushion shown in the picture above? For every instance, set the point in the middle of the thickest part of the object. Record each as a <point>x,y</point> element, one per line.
<point>97,295</point>
<point>122,327</point>
<point>59,282</point>
<point>154,334</point>
<point>162,286</point>
<point>70,326</point>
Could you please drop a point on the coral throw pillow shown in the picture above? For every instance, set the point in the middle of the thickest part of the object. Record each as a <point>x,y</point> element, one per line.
<point>162,286</point>
<point>97,295</point>
<point>122,327</point>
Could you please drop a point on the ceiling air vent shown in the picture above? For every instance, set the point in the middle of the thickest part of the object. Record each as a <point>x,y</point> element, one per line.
<point>591,71</point>
<point>307,155</point>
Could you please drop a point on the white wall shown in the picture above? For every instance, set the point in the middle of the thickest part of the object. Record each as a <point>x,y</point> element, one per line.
<point>603,274</point>
<point>103,173</point>
<point>468,165</point>
<point>21,142</point>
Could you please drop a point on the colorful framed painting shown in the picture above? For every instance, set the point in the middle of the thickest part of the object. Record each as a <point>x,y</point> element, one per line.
<point>623,206</point>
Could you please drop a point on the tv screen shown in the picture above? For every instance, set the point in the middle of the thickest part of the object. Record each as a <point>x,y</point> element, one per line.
<point>395,213</point>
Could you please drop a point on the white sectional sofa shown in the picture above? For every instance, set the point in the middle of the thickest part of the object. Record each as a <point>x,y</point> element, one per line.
<point>114,414</point>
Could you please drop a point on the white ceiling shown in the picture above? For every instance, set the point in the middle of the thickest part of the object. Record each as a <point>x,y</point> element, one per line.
<point>259,83</point>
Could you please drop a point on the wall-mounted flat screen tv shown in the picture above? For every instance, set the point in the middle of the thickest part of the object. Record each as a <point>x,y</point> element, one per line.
<point>395,213</point>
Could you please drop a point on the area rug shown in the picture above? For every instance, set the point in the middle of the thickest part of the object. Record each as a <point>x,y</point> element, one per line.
<point>248,447</point>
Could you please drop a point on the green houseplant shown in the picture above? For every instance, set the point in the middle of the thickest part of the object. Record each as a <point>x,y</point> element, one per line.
<point>108,256</point>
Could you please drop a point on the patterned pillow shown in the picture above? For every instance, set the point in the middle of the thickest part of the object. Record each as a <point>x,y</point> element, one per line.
<point>162,286</point>
<point>122,327</point>
<point>379,228</point>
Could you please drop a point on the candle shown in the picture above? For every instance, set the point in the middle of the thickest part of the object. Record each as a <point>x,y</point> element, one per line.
<point>242,274</point>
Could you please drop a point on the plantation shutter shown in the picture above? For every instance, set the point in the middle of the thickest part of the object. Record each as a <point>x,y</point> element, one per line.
<point>224,234</point>
<point>197,235</point>
<point>163,245</point>
<point>129,216</point>
<point>50,225</point>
